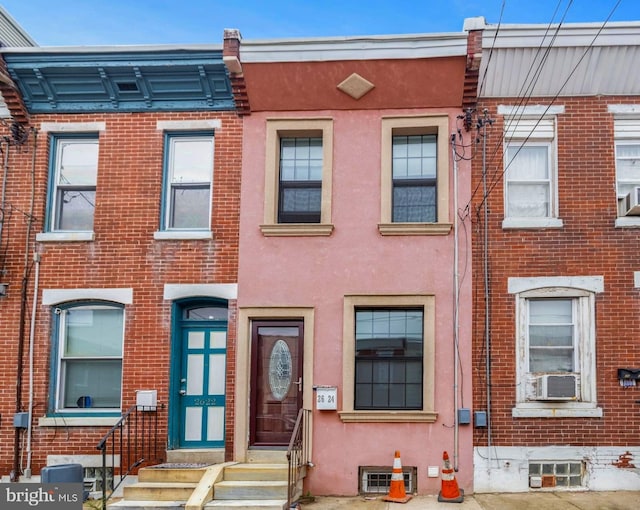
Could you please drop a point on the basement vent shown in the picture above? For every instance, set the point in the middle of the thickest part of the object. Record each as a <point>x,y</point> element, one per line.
<point>377,479</point>
<point>556,474</point>
<point>93,479</point>
<point>127,86</point>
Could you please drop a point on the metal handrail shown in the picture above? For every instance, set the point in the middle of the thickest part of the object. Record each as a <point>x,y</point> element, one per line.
<point>135,439</point>
<point>298,453</point>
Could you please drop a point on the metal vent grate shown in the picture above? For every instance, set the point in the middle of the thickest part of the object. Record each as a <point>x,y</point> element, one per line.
<point>377,479</point>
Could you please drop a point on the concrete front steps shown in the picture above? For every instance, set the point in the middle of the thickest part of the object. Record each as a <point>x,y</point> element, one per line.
<point>226,486</point>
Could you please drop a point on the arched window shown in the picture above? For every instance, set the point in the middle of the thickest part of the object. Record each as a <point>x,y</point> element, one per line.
<point>87,357</point>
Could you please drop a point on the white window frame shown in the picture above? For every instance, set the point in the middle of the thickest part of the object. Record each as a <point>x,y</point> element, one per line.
<point>582,290</point>
<point>626,131</point>
<point>58,402</point>
<point>532,126</point>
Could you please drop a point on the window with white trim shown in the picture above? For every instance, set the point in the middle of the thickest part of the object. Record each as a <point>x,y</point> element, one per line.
<point>188,178</point>
<point>72,190</point>
<point>555,346</point>
<point>530,176</point>
<point>87,358</point>
<point>627,150</point>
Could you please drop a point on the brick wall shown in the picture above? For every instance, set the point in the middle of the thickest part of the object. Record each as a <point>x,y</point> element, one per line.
<point>123,254</point>
<point>588,244</point>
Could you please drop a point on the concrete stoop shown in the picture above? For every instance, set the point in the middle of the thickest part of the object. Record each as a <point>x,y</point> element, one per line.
<point>226,486</point>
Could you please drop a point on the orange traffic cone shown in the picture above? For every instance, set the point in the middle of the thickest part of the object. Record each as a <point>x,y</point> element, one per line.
<point>397,494</point>
<point>450,492</point>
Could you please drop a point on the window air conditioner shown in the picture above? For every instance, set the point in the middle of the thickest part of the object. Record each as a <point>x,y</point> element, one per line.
<point>556,387</point>
<point>631,203</point>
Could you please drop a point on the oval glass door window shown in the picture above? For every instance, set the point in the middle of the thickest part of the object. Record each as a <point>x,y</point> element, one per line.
<point>280,370</point>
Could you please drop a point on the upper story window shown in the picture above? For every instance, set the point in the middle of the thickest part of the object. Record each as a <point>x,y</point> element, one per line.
<point>87,358</point>
<point>627,152</point>
<point>530,167</point>
<point>298,174</point>
<point>415,176</point>
<point>188,180</point>
<point>555,346</point>
<point>300,197</point>
<point>72,195</point>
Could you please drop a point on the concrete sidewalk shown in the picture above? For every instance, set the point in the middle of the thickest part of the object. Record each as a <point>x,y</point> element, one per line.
<point>621,500</point>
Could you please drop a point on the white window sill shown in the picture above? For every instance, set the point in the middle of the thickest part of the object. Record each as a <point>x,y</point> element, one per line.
<point>559,410</point>
<point>388,416</point>
<point>509,223</point>
<point>628,221</point>
<point>169,235</point>
<point>78,421</point>
<point>46,237</point>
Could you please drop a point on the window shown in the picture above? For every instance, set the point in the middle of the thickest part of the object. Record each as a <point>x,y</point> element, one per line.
<point>552,335</point>
<point>298,177</point>
<point>388,358</point>
<point>87,375</point>
<point>415,176</point>
<point>555,346</point>
<point>530,168</point>
<point>528,180</point>
<point>188,179</point>
<point>627,150</point>
<point>300,196</point>
<point>72,196</point>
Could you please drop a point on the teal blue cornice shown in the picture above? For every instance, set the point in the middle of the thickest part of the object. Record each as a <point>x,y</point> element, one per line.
<point>124,81</point>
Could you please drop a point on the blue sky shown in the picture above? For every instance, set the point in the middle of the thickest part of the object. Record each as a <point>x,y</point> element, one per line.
<point>118,22</point>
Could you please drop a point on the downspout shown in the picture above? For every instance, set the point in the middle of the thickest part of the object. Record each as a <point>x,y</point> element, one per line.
<point>4,189</point>
<point>487,307</point>
<point>456,308</point>
<point>36,260</point>
<point>15,472</point>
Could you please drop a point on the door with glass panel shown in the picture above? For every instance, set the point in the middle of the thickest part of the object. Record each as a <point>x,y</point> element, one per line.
<point>276,381</point>
<point>201,377</point>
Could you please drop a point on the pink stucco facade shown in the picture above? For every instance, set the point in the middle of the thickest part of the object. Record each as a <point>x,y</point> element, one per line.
<point>319,271</point>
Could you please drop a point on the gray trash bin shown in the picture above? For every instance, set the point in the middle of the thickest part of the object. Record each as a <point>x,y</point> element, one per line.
<point>64,473</point>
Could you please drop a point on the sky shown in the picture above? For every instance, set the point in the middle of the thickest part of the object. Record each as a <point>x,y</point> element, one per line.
<point>183,22</point>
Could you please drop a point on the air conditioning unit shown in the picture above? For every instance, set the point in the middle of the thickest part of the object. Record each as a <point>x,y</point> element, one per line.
<point>556,387</point>
<point>631,203</point>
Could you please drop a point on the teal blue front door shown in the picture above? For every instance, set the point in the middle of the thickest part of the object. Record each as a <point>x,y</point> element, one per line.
<point>201,384</point>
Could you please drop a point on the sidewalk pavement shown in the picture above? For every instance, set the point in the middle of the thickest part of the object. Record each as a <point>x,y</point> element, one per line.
<point>619,500</point>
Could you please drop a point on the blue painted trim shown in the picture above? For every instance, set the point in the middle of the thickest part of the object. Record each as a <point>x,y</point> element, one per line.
<point>175,362</point>
<point>53,361</point>
<point>165,199</point>
<point>179,80</point>
<point>54,140</point>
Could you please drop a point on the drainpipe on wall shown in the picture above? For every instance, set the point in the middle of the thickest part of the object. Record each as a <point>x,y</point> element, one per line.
<point>36,281</point>
<point>15,472</point>
<point>456,308</point>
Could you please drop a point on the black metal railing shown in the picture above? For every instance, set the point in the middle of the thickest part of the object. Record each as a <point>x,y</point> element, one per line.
<point>298,453</point>
<point>130,443</point>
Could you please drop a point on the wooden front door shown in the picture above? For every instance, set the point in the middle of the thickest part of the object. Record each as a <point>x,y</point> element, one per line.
<point>276,381</point>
